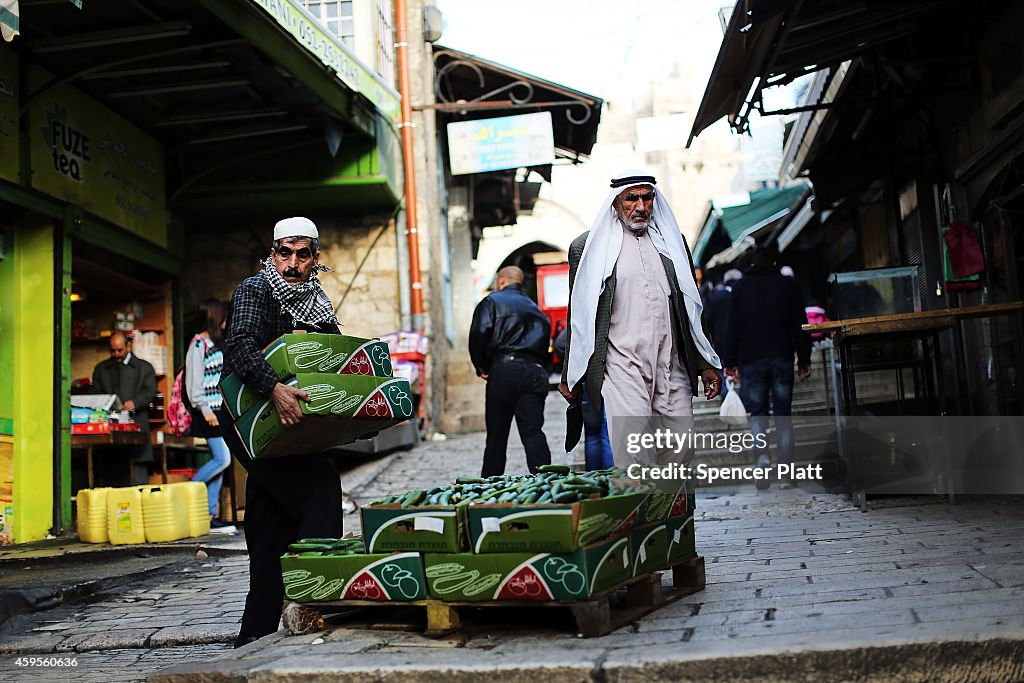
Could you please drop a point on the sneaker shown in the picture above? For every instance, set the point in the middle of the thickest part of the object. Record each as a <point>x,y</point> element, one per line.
<point>786,485</point>
<point>219,526</point>
<point>348,505</point>
<point>764,462</point>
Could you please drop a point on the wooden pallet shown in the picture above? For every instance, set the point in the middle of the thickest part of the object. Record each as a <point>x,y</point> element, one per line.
<point>597,616</point>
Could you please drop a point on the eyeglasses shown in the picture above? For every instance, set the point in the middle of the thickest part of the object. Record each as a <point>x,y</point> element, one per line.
<point>303,254</point>
<point>633,197</point>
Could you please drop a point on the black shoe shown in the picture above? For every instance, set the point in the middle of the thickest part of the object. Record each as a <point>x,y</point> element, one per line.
<point>242,641</point>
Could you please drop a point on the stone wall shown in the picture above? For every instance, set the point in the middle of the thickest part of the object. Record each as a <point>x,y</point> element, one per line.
<point>215,262</point>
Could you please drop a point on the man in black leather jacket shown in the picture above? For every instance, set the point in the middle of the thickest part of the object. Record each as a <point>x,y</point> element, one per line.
<point>508,344</point>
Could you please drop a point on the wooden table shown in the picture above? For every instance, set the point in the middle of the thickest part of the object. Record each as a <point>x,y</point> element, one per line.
<point>114,439</point>
<point>922,325</point>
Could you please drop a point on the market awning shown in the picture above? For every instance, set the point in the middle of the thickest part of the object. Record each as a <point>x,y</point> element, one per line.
<point>773,42</point>
<point>468,87</point>
<point>730,225</point>
<point>10,22</point>
<point>234,90</point>
<point>791,230</point>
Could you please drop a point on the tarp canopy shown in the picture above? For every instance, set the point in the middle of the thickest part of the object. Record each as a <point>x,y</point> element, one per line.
<point>736,222</point>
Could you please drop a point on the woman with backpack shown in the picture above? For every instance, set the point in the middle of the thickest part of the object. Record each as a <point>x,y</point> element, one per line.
<point>203,364</point>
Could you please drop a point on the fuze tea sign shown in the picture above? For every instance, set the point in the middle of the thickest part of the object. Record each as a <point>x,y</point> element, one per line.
<point>69,146</point>
<point>86,154</point>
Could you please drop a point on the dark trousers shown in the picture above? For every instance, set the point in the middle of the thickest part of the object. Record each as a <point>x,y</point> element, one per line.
<point>515,388</point>
<point>285,499</point>
<point>769,381</point>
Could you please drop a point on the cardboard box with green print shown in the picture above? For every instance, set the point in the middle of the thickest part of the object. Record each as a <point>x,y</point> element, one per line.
<point>670,499</point>
<point>291,354</point>
<point>426,528</point>
<point>682,542</point>
<point>341,409</point>
<point>512,528</point>
<point>321,576</point>
<point>529,576</point>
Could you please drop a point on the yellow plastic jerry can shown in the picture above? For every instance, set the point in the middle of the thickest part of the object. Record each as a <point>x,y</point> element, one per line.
<point>198,507</point>
<point>124,516</point>
<point>165,509</point>
<point>91,507</point>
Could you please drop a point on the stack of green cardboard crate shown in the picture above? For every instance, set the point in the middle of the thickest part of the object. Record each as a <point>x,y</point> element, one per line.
<point>352,395</point>
<point>554,536</point>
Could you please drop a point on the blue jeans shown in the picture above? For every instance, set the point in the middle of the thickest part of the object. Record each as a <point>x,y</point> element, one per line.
<point>769,378</point>
<point>212,473</point>
<point>597,448</point>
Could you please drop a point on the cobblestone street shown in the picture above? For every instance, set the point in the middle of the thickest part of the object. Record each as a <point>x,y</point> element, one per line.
<point>912,585</point>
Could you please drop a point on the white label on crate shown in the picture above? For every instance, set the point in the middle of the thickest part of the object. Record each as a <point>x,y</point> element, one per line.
<point>435,524</point>
<point>642,555</point>
<point>491,524</point>
<point>677,535</point>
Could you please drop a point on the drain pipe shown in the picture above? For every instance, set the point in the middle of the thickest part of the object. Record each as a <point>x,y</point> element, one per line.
<point>412,220</point>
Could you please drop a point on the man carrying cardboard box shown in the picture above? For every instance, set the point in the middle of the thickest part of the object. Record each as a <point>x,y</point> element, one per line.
<point>285,498</point>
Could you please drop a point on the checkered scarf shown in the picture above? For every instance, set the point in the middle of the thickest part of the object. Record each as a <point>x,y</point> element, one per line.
<point>307,302</point>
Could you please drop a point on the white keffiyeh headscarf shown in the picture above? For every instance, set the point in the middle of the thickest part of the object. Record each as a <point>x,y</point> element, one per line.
<point>598,259</point>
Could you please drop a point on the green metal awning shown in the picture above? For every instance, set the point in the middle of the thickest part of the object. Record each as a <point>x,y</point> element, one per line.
<point>9,20</point>
<point>744,220</point>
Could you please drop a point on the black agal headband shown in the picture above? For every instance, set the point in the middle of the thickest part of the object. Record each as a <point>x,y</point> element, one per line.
<point>634,180</point>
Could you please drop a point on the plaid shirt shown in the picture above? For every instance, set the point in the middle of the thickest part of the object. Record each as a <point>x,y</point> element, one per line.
<point>257,320</point>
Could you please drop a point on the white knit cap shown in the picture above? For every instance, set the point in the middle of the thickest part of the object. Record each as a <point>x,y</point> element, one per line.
<point>295,227</point>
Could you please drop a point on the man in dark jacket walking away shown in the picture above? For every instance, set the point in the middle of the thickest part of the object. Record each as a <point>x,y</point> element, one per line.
<point>716,313</point>
<point>509,343</point>
<point>763,334</point>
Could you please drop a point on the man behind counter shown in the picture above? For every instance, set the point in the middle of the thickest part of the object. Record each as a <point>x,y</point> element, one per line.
<point>134,382</point>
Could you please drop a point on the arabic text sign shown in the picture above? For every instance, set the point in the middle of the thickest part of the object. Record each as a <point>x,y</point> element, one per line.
<point>500,143</point>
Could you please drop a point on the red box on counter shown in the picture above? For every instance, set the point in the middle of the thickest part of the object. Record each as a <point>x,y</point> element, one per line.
<point>104,427</point>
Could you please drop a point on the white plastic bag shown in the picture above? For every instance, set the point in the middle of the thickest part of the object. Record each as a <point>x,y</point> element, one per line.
<point>732,412</point>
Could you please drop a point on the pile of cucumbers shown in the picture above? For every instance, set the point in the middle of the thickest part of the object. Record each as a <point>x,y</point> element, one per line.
<point>553,484</point>
<point>328,547</point>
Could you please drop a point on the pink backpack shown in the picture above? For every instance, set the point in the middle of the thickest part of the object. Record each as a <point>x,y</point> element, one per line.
<point>179,413</point>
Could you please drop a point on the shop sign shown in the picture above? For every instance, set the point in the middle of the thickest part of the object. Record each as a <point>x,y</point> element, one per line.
<point>86,154</point>
<point>499,143</point>
<point>333,54</point>
<point>9,142</point>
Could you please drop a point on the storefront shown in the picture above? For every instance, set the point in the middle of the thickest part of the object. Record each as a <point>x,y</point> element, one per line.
<point>131,136</point>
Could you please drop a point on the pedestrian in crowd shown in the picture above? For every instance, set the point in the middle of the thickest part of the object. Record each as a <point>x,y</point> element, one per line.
<point>134,382</point>
<point>285,498</point>
<point>508,344</point>
<point>636,339</point>
<point>204,362</point>
<point>764,333</point>
<point>716,314</point>
<point>597,448</point>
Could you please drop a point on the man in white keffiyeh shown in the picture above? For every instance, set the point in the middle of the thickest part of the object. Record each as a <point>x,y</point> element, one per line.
<point>636,342</point>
